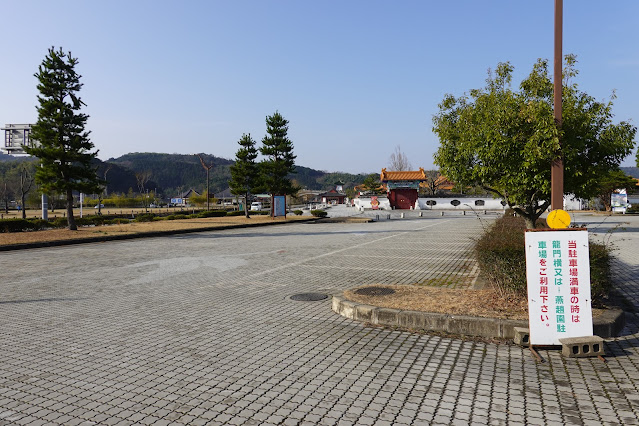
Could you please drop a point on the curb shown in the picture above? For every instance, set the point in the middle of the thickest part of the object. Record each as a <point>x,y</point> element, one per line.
<point>607,325</point>
<point>57,243</point>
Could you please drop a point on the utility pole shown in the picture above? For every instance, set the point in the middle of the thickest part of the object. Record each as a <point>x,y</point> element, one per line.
<point>207,168</point>
<point>557,166</point>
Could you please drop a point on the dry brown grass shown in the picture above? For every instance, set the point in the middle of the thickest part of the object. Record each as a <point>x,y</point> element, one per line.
<point>480,303</point>
<point>135,228</point>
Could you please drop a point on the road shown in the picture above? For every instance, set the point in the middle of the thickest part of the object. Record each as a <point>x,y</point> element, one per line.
<point>200,329</point>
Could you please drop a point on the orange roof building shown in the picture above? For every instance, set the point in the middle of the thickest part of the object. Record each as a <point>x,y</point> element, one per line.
<point>387,176</point>
<point>402,187</point>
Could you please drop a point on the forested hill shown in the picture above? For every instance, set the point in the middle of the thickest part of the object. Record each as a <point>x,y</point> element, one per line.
<point>173,173</point>
<point>631,171</point>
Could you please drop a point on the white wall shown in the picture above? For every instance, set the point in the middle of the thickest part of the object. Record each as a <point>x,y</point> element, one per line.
<point>465,204</point>
<point>365,203</point>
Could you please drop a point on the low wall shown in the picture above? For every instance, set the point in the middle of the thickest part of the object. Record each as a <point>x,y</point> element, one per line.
<point>475,203</point>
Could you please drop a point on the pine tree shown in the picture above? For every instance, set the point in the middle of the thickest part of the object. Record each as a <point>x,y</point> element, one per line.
<point>63,146</point>
<point>245,173</point>
<point>280,161</point>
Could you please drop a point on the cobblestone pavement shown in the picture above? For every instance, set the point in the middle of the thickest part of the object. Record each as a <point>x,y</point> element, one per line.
<point>199,329</point>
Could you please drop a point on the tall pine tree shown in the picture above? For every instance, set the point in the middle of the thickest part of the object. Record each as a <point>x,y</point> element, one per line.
<point>279,161</point>
<point>245,174</point>
<point>63,146</point>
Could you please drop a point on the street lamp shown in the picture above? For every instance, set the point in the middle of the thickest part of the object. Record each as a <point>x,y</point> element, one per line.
<point>557,166</point>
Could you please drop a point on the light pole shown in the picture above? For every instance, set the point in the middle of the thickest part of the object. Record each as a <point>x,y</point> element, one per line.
<point>557,166</point>
<point>207,168</point>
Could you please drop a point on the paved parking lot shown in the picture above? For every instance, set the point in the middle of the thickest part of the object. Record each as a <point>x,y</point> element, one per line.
<point>199,329</point>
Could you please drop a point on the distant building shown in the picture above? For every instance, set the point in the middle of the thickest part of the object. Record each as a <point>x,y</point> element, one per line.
<point>403,187</point>
<point>334,196</point>
<point>16,137</point>
<point>182,200</point>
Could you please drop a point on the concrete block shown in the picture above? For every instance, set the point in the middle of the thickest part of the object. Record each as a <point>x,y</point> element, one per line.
<point>522,336</point>
<point>364,313</point>
<point>473,326</point>
<point>337,301</point>
<point>385,316</point>
<point>348,308</point>
<point>581,347</point>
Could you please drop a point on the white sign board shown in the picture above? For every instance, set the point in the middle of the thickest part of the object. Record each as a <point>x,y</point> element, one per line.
<point>558,275</point>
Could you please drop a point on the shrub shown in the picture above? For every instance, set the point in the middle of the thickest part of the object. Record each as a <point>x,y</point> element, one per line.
<point>298,212</point>
<point>213,213</point>
<point>501,255</point>
<point>318,213</point>
<point>60,222</point>
<point>241,213</point>
<point>144,217</point>
<point>176,216</point>
<point>17,225</point>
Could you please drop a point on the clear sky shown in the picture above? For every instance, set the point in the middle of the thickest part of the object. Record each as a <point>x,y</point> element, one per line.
<point>354,78</point>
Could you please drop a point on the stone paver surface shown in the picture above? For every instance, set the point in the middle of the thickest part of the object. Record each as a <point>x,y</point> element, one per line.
<point>199,329</point>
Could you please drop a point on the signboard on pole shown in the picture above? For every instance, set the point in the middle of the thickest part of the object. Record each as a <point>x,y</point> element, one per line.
<point>279,205</point>
<point>558,275</point>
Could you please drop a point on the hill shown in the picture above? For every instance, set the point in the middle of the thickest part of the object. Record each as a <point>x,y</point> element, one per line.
<point>175,173</point>
<point>172,174</point>
<point>631,171</point>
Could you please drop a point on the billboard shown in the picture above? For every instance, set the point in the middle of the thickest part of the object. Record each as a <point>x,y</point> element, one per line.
<point>558,277</point>
<point>279,205</point>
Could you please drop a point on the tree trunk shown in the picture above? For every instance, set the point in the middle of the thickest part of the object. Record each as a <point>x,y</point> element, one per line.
<point>530,222</point>
<point>70,218</point>
<point>22,201</point>
<point>246,207</point>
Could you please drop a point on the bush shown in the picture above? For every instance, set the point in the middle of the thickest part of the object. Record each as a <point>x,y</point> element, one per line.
<point>501,255</point>
<point>318,213</point>
<point>60,222</point>
<point>176,216</point>
<point>251,213</point>
<point>18,225</point>
<point>145,217</point>
<point>298,212</point>
<point>213,213</point>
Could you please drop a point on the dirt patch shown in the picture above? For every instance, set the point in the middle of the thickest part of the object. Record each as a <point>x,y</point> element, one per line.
<point>480,303</point>
<point>135,228</point>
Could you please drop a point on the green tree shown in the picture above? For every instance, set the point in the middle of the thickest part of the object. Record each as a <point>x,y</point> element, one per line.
<point>612,181</point>
<point>279,161</point>
<point>63,146</point>
<point>245,173</point>
<point>505,140</point>
<point>372,184</point>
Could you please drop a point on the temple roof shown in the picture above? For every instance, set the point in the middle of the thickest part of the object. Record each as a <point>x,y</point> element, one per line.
<point>405,175</point>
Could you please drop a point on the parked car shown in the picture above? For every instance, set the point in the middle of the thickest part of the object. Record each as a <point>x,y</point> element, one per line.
<point>99,206</point>
<point>256,206</point>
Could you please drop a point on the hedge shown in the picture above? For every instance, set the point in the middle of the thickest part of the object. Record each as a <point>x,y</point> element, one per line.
<point>501,255</point>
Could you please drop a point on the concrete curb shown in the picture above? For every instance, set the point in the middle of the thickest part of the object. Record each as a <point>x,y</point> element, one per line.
<point>43,244</point>
<point>607,325</point>
<point>345,219</point>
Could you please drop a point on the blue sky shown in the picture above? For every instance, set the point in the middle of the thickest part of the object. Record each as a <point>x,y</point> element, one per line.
<point>354,78</point>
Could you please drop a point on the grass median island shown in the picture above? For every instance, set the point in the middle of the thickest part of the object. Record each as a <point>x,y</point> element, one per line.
<point>500,253</point>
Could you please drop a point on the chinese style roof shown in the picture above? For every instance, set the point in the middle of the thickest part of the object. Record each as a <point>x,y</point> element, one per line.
<point>405,175</point>
<point>333,193</point>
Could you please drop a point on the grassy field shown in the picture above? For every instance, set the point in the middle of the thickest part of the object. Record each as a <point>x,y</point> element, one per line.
<point>89,211</point>
<point>91,232</point>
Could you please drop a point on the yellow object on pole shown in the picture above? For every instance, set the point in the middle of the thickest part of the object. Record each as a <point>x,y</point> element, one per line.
<point>558,219</point>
